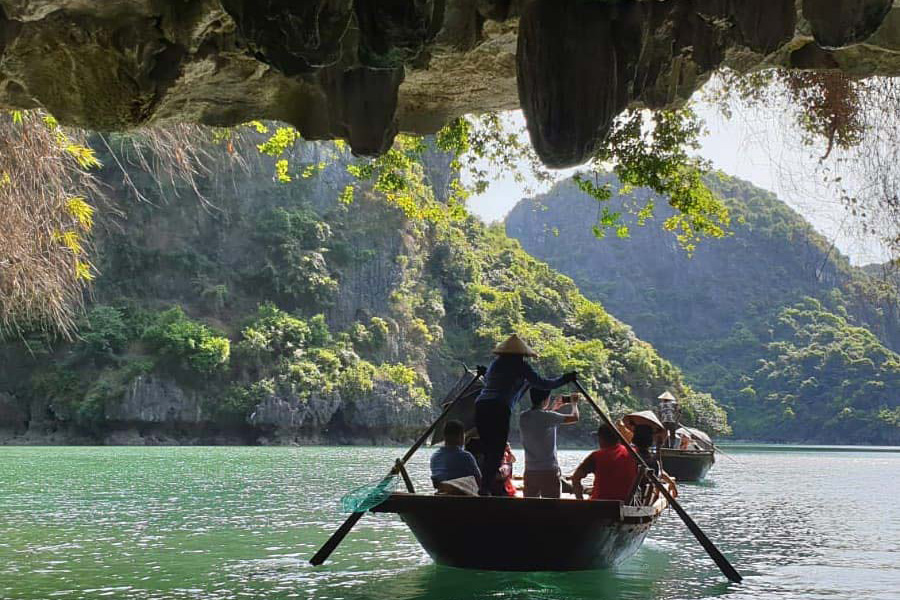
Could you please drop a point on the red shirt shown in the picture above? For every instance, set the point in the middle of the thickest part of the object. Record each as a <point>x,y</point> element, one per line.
<point>615,472</point>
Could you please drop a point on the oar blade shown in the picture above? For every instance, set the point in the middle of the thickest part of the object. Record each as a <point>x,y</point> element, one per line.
<point>724,565</point>
<point>336,538</point>
<point>368,496</point>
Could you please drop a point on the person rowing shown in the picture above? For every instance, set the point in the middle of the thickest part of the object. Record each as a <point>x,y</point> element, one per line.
<point>508,377</point>
<point>669,412</point>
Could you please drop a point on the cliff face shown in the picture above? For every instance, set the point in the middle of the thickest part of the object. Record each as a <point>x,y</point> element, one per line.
<point>362,70</point>
<point>796,343</point>
<point>276,313</point>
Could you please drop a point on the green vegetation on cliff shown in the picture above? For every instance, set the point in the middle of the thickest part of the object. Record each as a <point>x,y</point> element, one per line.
<point>819,377</point>
<point>797,344</point>
<point>278,310</point>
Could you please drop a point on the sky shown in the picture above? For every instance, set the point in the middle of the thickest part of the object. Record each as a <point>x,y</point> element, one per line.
<point>762,147</point>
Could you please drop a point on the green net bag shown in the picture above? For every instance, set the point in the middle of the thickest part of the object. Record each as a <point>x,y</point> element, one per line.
<point>368,496</point>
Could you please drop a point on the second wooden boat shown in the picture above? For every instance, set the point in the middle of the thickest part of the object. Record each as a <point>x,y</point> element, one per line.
<point>687,465</point>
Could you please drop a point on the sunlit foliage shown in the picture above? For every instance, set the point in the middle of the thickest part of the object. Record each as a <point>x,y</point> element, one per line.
<point>182,155</point>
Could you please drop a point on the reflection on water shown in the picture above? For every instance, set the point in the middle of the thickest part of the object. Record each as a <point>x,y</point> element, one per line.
<point>223,523</point>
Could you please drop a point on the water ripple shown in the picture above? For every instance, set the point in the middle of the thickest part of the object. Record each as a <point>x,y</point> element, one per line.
<point>232,523</point>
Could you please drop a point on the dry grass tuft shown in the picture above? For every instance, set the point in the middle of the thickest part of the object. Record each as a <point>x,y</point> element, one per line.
<point>177,156</point>
<point>47,195</point>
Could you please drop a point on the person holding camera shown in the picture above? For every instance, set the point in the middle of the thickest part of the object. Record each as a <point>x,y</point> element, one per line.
<point>538,427</point>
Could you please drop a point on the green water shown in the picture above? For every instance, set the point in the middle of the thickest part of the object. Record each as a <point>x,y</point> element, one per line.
<point>233,523</point>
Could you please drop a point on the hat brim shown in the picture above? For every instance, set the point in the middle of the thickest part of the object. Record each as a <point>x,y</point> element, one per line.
<point>530,354</point>
<point>644,417</point>
<point>514,345</point>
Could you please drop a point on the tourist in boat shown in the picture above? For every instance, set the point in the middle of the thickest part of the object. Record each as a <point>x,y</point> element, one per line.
<point>644,430</point>
<point>683,440</point>
<point>615,470</point>
<point>642,441</point>
<point>506,471</point>
<point>451,462</point>
<point>668,414</point>
<point>507,378</point>
<point>538,426</point>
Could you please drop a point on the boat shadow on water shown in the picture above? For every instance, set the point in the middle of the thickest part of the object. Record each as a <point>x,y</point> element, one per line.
<point>633,580</point>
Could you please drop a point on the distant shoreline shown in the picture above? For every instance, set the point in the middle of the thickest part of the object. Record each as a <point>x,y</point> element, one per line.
<point>737,446</point>
<point>745,445</point>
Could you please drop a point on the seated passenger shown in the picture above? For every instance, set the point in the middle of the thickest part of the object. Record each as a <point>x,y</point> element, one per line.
<point>450,461</point>
<point>615,470</point>
<point>642,440</point>
<point>683,440</point>
<point>645,430</point>
<point>506,472</point>
<point>538,427</point>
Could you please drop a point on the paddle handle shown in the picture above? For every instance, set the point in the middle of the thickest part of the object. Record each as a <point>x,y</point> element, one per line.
<point>727,569</point>
<point>437,421</point>
<point>338,536</point>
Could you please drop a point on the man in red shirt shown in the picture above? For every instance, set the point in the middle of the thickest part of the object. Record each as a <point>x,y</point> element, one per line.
<point>615,470</point>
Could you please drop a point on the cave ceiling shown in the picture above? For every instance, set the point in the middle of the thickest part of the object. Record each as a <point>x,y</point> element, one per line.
<point>364,70</point>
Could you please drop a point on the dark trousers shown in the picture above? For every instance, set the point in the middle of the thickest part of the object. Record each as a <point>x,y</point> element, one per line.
<point>492,421</point>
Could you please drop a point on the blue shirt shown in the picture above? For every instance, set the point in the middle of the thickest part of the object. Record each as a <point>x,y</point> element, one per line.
<point>506,377</point>
<point>452,462</point>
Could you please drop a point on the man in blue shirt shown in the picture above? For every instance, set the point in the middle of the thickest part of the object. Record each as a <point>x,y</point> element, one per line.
<point>451,461</point>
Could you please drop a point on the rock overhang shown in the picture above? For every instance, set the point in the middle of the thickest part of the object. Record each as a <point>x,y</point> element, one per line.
<point>363,70</point>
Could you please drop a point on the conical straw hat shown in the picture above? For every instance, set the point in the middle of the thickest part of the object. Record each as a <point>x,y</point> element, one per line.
<point>644,417</point>
<point>514,345</point>
<point>666,395</point>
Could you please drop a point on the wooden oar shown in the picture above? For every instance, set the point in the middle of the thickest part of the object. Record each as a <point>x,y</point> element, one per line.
<point>338,536</point>
<point>729,571</point>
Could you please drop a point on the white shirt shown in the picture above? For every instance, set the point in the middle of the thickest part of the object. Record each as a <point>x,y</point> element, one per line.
<point>538,429</point>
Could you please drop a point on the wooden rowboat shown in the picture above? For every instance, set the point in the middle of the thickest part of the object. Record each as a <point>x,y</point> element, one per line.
<point>534,534</point>
<point>524,534</point>
<point>687,465</point>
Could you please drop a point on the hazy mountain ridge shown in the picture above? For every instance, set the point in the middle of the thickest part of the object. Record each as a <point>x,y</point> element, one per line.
<point>734,316</point>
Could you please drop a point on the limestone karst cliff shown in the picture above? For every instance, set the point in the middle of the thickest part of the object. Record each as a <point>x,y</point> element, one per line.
<point>276,313</point>
<point>363,70</point>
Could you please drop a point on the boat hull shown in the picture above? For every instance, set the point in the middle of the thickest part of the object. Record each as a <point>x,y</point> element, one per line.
<point>523,534</point>
<point>687,465</point>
